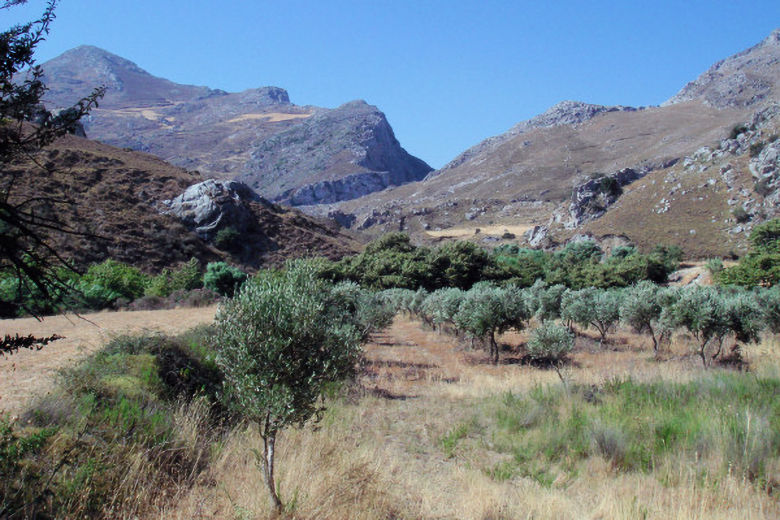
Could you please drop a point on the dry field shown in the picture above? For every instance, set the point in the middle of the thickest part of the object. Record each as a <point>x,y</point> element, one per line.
<point>27,373</point>
<point>381,451</point>
<point>468,232</point>
<point>379,454</point>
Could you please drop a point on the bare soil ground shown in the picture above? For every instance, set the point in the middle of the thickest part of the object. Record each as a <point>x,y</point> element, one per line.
<point>29,373</point>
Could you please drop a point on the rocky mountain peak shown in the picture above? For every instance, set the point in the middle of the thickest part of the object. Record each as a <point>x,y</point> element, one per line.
<point>75,73</point>
<point>566,113</point>
<point>265,96</point>
<point>772,39</point>
<point>745,79</point>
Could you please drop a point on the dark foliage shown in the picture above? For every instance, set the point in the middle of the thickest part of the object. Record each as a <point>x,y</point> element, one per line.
<point>26,128</point>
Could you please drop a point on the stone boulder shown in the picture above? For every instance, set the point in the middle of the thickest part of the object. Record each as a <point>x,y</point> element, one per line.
<point>212,205</point>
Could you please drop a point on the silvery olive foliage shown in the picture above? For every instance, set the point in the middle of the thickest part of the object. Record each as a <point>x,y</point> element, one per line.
<point>487,310</point>
<point>592,307</point>
<point>550,341</point>
<point>282,341</point>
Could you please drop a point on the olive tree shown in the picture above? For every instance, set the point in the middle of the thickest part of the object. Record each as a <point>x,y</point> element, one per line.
<point>641,309</point>
<point>442,305</point>
<point>702,312</point>
<point>743,320</point>
<point>369,310</point>
<point>552,343</point>
<point>281,342</point>
<point>487,310</point>
<point>769,303</point>
<point>544,301</point>
<point>592,307</point>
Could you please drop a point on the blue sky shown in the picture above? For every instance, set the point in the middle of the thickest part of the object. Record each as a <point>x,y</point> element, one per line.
<point>446,73</point>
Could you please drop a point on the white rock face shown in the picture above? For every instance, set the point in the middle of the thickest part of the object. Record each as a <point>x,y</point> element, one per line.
<point>212,205</point>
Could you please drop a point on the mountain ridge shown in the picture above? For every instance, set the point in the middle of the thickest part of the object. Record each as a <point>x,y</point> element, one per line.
<point>227,135</point>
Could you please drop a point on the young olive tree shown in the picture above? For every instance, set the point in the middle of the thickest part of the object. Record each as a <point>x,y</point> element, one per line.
<point>441,306</point>
<point>700,310</point>
<point>552,343</point>
<point>281,342</point>
<point>487,310</point>
<point>592,307</point>
<point>544,302</point>
<point>641,309</point>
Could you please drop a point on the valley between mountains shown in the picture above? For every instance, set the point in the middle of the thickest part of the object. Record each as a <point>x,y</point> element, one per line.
<point>681,165</point>
<point>237,305</point>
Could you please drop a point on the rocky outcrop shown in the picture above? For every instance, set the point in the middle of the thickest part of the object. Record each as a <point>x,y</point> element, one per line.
<point>742,80</point>
<point>537,236</point>
<point>212,205</point>
<point>592,198</point>
<point>332,156</point>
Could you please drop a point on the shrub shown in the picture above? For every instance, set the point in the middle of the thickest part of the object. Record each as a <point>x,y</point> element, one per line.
<point>740,215</point>
<point>714,266</point>
<point>763,187</point>
<point>227,239</point>
<point>123,279</point>
<point>222,278</point>
<point>755,148</point>
<point>736,130</point>
<point>550,342</point>
<point>186,277</point>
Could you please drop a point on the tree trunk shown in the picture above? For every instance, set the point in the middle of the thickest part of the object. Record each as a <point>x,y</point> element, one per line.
<point>655,341</point>
<point>493,347</point>
<point>269,446</point>
<point>703,354</point>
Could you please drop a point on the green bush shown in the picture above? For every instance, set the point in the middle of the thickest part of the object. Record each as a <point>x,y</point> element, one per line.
<point>186,278</point>
<point>762,265</point>
<point>125,280</point>
<point>227,239</point>
<point>550,342</point>
<point>740,215</point>
<point>223,279</point>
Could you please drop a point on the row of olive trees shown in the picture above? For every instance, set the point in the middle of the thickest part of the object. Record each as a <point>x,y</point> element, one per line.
<point>710,315</point>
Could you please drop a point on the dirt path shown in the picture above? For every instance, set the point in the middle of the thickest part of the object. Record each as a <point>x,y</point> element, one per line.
<point>27,373</point>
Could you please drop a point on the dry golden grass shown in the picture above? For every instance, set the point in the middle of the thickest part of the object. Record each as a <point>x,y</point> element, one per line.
<point>467,232</point>
<point>30,373</point>
<point>270,117</point>
<point>378,455</point>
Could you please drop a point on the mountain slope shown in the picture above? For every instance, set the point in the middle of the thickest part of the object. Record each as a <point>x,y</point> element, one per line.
<point>117,200</point>
<point>257,134</point>
<point>742,80</point>
<point>527,176</point>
